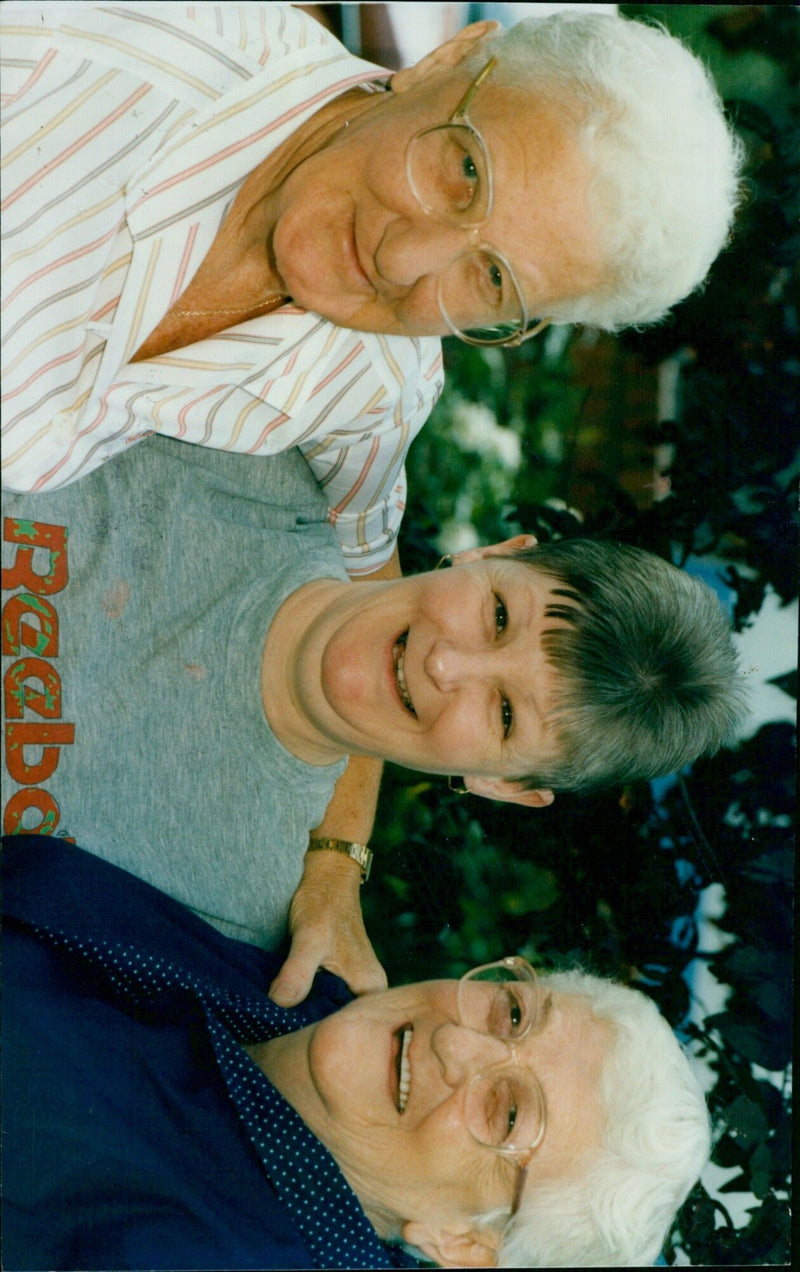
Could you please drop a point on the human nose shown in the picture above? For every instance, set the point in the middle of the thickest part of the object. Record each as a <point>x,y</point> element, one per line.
<point>462,1052</point>
<point>414,247</point>
<point>449,665</point>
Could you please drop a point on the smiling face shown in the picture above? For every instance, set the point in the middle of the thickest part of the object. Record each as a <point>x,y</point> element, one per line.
<point>412,1158</point>
<point>443,672</point>
<point>351,242</point>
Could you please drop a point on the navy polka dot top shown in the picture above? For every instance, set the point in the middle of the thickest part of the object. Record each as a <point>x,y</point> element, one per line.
<point>152,1006</point>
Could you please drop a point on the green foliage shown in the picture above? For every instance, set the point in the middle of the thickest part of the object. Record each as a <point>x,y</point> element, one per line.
<point>498,438</point>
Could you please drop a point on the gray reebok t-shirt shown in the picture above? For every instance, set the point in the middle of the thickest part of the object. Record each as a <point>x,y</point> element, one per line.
<point>174,562</point>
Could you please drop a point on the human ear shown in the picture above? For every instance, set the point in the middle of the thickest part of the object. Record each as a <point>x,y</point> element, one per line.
<point>476,1248</point>
<point>505,792</point>
<point>507,548</point>
<point>446,56</point>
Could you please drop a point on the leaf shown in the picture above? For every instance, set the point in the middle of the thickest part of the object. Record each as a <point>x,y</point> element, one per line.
<point>699,1215</point>
<point>737,1184</point>
<point>772,867</point>
<point>759,1043</point>
<point>746,1122</point>
<point>728,1152</point>
<point>761,1171</point>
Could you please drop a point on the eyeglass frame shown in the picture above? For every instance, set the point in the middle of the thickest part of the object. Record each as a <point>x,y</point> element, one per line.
<point>511,962</point>
<point>459,119</point>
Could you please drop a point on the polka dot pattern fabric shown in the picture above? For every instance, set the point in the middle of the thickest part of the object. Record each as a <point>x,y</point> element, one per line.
<point>302,1172</point>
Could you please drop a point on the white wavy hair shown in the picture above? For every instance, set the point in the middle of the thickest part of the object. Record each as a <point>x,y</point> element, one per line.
<point>666,167</point>
<point>616,1210</point>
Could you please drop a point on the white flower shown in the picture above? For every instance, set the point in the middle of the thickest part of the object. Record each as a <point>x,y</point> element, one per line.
<point>472,425</point>
<point>507,448</point>
<point>475,429</point>
<point>457,536</point>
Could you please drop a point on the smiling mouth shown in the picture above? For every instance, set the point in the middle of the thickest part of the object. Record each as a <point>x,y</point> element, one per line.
<point>399,656</point>
<point>404,1036</point>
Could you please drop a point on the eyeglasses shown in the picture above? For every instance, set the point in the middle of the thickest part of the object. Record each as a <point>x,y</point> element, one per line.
<point>504,1107</point>
<point>450,175</point>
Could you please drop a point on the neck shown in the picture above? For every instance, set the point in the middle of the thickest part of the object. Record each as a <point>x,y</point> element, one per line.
<point>285,1061</point>
<point>291,668</point>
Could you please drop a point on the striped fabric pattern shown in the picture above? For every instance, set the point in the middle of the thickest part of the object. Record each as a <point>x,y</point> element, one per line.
<point>127,132</point>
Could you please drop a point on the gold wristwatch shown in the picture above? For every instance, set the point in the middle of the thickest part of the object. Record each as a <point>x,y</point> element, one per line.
<point>359,852</point>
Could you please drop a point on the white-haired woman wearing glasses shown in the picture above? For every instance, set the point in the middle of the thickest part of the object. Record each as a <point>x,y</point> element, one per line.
<point>152,1094</point>
<point>231,181</point>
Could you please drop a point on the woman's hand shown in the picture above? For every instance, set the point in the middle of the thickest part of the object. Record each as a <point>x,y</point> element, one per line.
<point>327,931</point>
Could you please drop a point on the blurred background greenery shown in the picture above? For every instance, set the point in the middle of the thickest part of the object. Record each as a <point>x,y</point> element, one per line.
<point>682,439</point>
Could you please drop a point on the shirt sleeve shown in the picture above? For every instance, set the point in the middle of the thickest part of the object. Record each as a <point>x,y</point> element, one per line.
<point>360,462</point>
<point>365,486</point>
<point>351,401</point>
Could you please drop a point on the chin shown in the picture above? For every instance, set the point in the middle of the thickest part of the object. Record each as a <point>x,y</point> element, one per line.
<point>330,307</point>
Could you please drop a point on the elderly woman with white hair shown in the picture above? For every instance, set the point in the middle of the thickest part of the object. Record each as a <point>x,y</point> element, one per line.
<point>232,182</point>
<point>161,1111</point>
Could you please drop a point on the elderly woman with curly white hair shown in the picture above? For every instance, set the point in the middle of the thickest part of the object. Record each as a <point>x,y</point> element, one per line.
<point>232,182</point>
<point>161,1111</point>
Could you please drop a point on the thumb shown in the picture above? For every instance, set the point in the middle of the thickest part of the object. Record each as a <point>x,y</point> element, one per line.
<point>293,981</point>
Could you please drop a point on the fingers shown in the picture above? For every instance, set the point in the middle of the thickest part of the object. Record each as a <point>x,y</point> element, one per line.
<point>365,976</point>
<point>349,956</point>
<point>327,931</point>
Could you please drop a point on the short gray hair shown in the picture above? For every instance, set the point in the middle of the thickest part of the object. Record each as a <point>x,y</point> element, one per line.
<point>665,165</point>
<point>648,677</point>
<point>616,1210</point>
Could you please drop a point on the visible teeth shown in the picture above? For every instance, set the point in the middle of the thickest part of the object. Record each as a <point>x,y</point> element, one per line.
<point>399,661</point>
<point>405,1069</point>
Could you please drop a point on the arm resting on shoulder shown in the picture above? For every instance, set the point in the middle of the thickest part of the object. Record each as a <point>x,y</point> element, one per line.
<point>325,917</point>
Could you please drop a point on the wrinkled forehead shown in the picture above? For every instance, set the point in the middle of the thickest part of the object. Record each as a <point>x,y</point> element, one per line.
<point>542,218</point>
<point>569,1056</point>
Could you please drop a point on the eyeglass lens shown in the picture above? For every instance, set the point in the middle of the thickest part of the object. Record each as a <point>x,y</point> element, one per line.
<point>504,1109</point>
<point>504,1105</point>
<point>449,173</point>
<point>479,299</point>
<point>494,1001</point>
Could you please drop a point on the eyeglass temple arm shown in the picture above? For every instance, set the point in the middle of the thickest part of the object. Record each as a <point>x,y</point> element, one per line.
<point>522,1175</point>
<point>461,108</point>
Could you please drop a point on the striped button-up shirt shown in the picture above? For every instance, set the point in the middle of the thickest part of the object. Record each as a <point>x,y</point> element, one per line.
<point>128,132</point>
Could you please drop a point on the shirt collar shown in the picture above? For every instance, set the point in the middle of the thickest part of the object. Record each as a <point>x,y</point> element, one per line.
<point>300,1169</point>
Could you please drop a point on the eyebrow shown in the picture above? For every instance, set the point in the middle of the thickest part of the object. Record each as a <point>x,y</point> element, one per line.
<point>514,746</point>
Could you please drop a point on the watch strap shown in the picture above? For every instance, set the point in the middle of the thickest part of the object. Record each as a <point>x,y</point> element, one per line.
<point>359,852</point>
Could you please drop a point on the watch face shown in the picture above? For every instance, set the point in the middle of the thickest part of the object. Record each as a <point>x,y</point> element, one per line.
<point>363,855</point>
